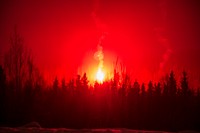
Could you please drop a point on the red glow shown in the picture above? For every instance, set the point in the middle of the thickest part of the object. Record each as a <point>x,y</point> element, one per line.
<point>149,37</point>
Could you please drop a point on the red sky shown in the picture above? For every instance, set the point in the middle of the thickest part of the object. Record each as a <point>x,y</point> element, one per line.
<point>149,37</point>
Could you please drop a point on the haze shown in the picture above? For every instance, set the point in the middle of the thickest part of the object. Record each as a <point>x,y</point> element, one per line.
<point>149,37</point>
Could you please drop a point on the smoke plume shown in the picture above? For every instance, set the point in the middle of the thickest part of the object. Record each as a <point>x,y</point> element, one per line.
<point>162,36</point>
<point>99,54</point>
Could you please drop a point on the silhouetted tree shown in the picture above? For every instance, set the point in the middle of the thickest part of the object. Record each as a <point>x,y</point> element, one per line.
<point>143,91</point>
<point>16,61</point>
<point>150,89</point>
<point>2,82</point>
<point>63,84</point>
<point>55,84</point>
<point>198,92</point>
<point>71,85</point>
<point>136,87</point>
<point>115,81</point>
<point>184,84</point>
<point>2,78</point>
<point>171,84</point>
<point>78,81</point>
<point>158,89</point>
<point>84,81</point>
<point>2,94</point>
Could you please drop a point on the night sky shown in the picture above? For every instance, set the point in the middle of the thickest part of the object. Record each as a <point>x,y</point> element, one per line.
<point>149,37</point>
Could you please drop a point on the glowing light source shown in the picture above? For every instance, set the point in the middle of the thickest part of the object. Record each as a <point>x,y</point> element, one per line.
<point>100,75</point>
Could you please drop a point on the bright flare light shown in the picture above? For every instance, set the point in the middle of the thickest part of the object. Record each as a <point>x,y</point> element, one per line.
<point>100,76</point>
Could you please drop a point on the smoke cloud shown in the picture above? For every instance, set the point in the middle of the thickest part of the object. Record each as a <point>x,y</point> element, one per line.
<point>99,54</point>
<point>162,36</point>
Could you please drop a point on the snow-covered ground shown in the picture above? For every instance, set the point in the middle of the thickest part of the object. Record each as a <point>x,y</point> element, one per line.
<point>34,127</point>
<point>64,130</point>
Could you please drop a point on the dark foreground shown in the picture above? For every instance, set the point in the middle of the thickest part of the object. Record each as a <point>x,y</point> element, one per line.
<point>112,104</point>
<point>34,127</point>
<point>65,130</point>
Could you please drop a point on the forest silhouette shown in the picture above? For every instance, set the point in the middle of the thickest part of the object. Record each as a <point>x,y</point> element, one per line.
<point>116,103</point>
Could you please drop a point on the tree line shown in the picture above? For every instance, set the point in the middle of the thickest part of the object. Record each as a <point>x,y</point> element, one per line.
<point>117,103</point>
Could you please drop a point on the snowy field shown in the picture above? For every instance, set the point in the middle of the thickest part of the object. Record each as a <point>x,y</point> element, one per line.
<point>34,127</point>
<point>64,130</point>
